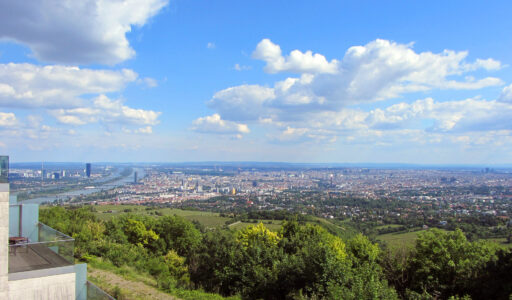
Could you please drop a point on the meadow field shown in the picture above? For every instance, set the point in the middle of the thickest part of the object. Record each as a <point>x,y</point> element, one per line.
<point>399,238</point>
<point>208,219</point>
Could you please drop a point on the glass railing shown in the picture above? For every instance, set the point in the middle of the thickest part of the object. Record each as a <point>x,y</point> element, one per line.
<point>95,293</point>
<point>51,249</point>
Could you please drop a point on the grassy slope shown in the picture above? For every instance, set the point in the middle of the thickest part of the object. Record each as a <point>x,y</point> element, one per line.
<point>502,242</point>
<point>128,289</point>
<point>388,226</point>
<point>131,284</point>
<point>208,219</point>
<point>407,238</point>
<point>274,225</point>
<point>399,238</point>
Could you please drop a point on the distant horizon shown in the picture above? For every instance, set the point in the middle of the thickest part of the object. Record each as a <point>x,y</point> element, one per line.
<point>275,163</point>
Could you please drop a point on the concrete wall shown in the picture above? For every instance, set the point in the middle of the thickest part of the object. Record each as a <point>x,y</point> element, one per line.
<point>4,239</point>
<point>54,287</point>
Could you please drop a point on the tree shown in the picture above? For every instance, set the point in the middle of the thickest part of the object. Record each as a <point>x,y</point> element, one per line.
<point>178,234</point>
<point>495,280</point>
<point>314,260</point>
<point>446,263</point>
<point>137,233</point>
<point>177,267</point>
<point>215,268</point>
<point>395,265</point>
<point>253,236</point>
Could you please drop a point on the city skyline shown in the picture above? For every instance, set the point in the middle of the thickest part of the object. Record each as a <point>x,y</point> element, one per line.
<point>328,82</point>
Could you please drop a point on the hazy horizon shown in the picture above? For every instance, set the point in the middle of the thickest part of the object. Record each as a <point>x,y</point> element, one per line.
<point>275,163</point>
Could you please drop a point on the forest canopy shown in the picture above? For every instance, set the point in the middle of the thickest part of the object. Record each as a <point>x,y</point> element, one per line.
<point>299,261</point>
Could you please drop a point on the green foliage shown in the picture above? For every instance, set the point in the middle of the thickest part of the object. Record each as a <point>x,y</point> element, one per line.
<point>257,235</point>
<point>123,254</point>
<point>365,280</point>
<point>446,263</point>
<point>177,234</point>
<point>215,266</point>
<point>117,293</point>
<point>300,261</point>
<point>362,250</point>
<point>177,267</point>
<point>495,280</point>
<point>395,264</point>
<point>138,234</point>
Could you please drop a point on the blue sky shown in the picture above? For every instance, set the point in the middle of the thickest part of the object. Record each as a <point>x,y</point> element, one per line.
<point>306,81</point>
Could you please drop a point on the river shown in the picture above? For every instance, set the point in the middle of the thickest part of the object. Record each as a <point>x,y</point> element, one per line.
<point>98,187</point>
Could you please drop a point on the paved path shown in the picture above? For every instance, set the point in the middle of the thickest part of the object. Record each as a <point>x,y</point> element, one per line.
<point>234,223</point>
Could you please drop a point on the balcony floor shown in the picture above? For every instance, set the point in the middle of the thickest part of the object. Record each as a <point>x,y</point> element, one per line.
<point>34,257</point>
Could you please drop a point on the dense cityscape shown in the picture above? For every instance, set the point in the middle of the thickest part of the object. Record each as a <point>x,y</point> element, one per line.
<point>426,197</point>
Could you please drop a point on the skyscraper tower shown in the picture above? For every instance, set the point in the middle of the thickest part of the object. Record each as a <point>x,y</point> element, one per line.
<point>4,169</point>
<point>135,177</point>
<point>88,170</point>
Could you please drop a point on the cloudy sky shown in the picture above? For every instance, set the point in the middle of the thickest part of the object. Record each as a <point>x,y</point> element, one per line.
<point>307,81</point>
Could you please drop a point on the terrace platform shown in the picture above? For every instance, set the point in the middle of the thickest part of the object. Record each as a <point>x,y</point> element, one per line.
<point>31,257</point>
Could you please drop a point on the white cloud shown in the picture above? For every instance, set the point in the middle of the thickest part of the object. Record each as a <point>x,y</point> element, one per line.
<point>145,130</point>
<point>488,64</point>
<point>26,131</point>
<point>76,32</point>
<point>378,71</point>
<point>239,67</point>
<point>427,115</point>
<point>382,70</point>
<point>214,124</point>
<point>107,111</point>
<point>142,130</point>
<point>149,82</point>
<point>29,86</point>
<point>298,135</point>
<point>244,102</point>
<point>296,61</point>
<point>424,121</point>
<point>210,45</point>
<point>8,119</point>
<point>506,94</point>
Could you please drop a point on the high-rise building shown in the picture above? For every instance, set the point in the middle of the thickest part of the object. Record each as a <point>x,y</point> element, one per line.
<point>4,169</point>
<point>36,261</point>
<point>88,170</point>
<point>135,177</point>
